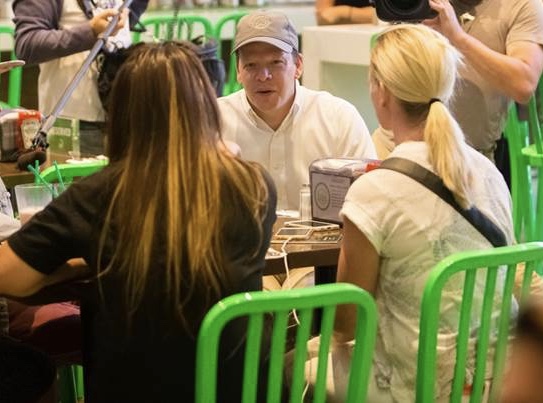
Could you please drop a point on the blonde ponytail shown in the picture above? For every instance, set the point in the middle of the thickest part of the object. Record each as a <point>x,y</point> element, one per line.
<point>446,147</point>
<point>419,67</point>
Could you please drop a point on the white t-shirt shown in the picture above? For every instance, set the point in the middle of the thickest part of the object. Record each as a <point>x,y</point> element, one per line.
<point>318,125</point>
<point>412,229</point>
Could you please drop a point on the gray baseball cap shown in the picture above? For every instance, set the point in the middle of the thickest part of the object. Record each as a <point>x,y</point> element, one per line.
<point>266,26</point>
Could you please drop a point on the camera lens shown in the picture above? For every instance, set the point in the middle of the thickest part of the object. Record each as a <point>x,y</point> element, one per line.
<point>403,10</point>
<point>405,4</point>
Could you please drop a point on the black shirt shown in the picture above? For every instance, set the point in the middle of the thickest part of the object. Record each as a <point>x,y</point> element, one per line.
<point>154,360</point>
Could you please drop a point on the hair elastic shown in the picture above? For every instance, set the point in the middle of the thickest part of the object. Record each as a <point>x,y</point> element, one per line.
<point>434,100</point>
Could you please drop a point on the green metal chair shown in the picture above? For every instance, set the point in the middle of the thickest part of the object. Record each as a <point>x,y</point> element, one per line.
<point>533,159</point>
<point>169,27</point>
<point>526,154</point>
<point>254,306</point>
<point>14,76</point>
<point>517,133</point>
<point>232,84</point>
<point>473,265</point>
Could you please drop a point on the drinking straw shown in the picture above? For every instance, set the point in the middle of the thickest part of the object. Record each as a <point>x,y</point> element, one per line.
<point>37,168</point>
<point>39,179</point>
<point>59,177</point>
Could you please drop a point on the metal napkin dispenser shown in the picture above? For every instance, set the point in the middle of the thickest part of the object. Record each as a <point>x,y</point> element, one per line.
<point>330,179</point>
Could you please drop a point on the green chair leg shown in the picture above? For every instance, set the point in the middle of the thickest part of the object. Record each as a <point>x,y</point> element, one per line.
<point>79,382</point>
<point>70,384</point>
<point>67,385</point>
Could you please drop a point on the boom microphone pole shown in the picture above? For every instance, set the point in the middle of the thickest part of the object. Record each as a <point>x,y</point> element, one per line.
<point>39,143</point>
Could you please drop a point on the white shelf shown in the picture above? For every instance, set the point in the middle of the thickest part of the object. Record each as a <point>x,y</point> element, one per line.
<point>336,59</point>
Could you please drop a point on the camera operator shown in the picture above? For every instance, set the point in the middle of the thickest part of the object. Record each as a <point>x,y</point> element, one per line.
<point>501,44</point>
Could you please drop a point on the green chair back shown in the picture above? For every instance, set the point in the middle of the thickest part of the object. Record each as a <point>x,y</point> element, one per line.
<point>517,133</point>
<point>534,125</point>
<point>526,155</point>
<point>492,263</point>
<point>533,158</point>
<point>232,84</point>
<point>14,76</point>
<point>254,306</point>
<point>69,172</point>
<point>170,27</point>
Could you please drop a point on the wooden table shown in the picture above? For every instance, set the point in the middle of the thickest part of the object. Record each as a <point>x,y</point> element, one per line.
<point>12,176</point>
<point>323,256</point>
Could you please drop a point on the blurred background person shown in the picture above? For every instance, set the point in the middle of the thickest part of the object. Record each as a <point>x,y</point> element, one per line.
<point>329,12</point>
<point>179,224</point>
<point>57,35</point>
<point>522,379</point>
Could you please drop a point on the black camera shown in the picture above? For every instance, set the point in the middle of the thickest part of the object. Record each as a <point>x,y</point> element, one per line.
<point>403,10</point>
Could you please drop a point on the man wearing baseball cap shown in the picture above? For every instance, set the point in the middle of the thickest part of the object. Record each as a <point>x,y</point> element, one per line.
<point>276,121</point>
<point>281,124</point>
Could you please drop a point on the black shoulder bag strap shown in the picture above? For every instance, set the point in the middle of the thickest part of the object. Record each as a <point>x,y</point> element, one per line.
<point>434,183</point>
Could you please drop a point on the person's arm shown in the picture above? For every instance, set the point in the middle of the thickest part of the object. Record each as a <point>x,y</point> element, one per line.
<point>359,265</point>
<point>328,14</point>
<point>515,74</point>
<point>38,37</point>
<point>19,279</point>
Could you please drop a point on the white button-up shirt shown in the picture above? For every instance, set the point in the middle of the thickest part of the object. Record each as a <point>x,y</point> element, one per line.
<point>318,125</point>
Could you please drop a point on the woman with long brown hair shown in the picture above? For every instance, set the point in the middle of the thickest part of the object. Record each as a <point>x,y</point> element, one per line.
<point>173,224</point>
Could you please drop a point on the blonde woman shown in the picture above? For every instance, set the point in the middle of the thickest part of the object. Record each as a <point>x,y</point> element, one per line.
<point>395,229</point>
<point>172,225</point>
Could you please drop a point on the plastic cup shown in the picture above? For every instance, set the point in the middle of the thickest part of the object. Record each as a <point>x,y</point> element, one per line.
<point>31,198</point>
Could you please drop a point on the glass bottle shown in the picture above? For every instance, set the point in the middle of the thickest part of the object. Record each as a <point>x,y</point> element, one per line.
<point>305,202</point>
